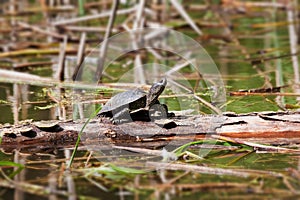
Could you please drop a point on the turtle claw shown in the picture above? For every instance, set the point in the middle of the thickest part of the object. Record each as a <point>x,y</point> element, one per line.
<point>118,121</point>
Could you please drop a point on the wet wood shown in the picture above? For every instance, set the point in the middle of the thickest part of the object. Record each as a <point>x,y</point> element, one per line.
<point>276,128</point>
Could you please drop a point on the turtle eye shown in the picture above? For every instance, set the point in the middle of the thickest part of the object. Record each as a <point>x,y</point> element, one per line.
<point>163,81</point>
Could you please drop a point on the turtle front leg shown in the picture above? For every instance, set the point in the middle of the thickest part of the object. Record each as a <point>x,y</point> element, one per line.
<point>159,111</point>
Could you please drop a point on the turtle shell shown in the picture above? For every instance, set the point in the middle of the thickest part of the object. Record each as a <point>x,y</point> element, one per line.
<point>133,99</point>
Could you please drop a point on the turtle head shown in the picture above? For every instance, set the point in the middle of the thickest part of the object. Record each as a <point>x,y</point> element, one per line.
<point>154,92</point>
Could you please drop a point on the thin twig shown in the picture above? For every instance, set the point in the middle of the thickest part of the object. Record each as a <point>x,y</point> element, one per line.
<point>88,29</point>
<point>255,145</point>
<point>91,17</point>
<point>140,150</point>
<point>198,169</point>
<point>264,94</point>
<point>40,30</point>
<point>31,64</point>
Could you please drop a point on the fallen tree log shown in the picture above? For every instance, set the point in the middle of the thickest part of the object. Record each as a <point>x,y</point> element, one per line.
<point>276,128</point>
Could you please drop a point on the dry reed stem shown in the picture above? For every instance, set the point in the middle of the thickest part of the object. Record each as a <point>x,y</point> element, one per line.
<point>60,73</point>
<point>104,44</point>
<point>80,57</point>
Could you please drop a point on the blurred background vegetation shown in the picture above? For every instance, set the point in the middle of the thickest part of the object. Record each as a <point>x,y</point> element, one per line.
<point>43,44</point>
<point>253,43</point>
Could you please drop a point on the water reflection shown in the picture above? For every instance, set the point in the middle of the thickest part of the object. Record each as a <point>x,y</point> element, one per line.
<point>46,177</point>
<point>20,177</point>
<point>22,102</point>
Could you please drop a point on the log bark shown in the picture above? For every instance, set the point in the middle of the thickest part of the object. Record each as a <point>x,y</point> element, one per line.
<point>276,128</point>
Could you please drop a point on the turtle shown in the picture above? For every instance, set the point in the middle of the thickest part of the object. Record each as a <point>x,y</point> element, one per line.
<point>136,105</point>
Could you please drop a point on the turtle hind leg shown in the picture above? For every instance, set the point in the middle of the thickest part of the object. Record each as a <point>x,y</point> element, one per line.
<point>140,115</point>
<point>121,116</point>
